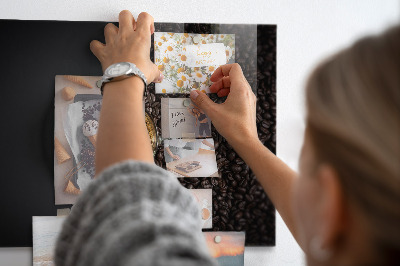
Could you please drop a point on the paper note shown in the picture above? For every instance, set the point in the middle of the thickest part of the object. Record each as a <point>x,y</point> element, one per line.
<point>205,55</point>
<point>188,60</point>
<point>181,120</point>
<point>204,200</point>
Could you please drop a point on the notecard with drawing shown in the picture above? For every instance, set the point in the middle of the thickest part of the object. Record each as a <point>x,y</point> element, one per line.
<point>180,118</point>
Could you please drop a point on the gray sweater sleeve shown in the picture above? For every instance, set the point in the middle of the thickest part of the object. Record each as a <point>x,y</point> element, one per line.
<point>134,213</point>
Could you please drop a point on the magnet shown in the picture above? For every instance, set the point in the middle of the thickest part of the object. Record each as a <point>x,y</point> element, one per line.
<point>196,39</point>
<point>217,239</point>
<point>187,102</point>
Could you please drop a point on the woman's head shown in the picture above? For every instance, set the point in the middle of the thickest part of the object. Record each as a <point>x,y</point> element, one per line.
<point>350,161</point>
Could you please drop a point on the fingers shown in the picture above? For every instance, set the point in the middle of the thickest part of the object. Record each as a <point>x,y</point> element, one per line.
<point>225,82</point>
<point>234,71</point>
<point>145,23</point>
<point>126,21</point>
<point>203,102</point>
<point>223,92</point>
<point>96,47</point>
<point>110,31</point>
<point>158,75</point>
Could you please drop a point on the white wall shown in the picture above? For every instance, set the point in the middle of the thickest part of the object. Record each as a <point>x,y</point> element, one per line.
<point>307,32</point>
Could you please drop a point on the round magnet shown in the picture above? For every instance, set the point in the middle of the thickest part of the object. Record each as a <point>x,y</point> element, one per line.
<point>217,239</point>
<point>187,102</point>
<point>196,39</point>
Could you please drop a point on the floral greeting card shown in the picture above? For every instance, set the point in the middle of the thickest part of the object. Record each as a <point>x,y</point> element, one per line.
<point>188,60</point>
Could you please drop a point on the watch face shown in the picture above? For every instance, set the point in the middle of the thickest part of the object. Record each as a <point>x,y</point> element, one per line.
<point>118,69</point>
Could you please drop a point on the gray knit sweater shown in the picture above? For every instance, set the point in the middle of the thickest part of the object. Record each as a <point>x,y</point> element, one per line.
<point>134,213</point>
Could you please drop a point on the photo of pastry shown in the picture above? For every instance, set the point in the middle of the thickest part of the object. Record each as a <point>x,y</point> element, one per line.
<point>77,104</point>
<point>180,118</point>
<point>191,157</point>
<point>80,128</point>
<point>204,199</point>
<point>226,247</point>
<point>188,60</point>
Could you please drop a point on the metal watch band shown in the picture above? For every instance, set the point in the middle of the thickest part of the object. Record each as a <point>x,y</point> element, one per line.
<point>134,71</point>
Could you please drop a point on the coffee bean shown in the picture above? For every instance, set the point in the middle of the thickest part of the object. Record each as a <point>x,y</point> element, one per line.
<point>236,168</point>
<point>241,190</point>
<point>238,215</point>
<point>238,196</point>
<point>231,156</point>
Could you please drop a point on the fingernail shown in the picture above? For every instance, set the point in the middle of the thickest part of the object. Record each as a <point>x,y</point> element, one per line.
<point>160,78</point>
<point>194,94</point>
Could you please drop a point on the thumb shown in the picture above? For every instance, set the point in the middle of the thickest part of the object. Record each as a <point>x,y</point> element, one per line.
<point>203,102</point>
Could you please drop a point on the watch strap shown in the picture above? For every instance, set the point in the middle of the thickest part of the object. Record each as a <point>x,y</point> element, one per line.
<point>134,71</point>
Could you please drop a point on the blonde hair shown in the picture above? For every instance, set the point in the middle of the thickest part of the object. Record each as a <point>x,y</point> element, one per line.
<point>353,120</point>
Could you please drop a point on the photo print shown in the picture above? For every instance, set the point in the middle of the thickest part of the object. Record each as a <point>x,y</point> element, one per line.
<point>77,104</point>
<point>226,247</point>
<point>180,118</point>
<point>204,199</point>
<point>191,157</point>
<point>188,60</point>
<point>45,230</point>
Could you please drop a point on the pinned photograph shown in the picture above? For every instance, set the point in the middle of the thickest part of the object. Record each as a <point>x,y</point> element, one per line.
<point>226,247</point>
<point>188,60</point>
<point>77,104</point>
<point>45,230</point>
<point>204,199</point>
<point>180,118</point>
<point>191,157</point>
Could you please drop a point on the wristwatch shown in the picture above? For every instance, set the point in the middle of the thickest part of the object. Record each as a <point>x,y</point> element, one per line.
<point>120,71</point>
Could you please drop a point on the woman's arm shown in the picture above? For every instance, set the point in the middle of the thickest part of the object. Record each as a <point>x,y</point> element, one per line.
<point>236,121</point>
<point>207,143</point>
<point>205,120</point>
<point>274,175</point>
<point>122,131</point>
<point>173,156</point>
<point>134,213</point>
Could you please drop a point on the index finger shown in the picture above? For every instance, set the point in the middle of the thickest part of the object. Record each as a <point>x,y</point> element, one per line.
<point>234,71</point>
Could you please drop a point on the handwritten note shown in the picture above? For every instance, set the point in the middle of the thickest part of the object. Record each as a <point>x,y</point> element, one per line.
<point>205,55</point>
<point>177,118</point>
<point>180,121</point>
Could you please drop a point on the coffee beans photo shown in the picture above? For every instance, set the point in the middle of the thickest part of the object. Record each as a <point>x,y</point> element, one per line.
<point>239,203</point>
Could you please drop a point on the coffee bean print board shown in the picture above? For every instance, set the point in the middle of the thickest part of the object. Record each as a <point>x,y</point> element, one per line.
<point>238,201</point>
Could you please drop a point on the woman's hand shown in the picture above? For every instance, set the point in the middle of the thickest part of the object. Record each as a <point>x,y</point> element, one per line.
<point>235,119</point>
<point>176,157</point>
<point>129,43</point>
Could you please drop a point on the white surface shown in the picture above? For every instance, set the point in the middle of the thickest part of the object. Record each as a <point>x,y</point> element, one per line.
<point>307,32</point>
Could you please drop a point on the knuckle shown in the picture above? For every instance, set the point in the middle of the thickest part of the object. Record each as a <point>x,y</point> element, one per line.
<point>200,100</point>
